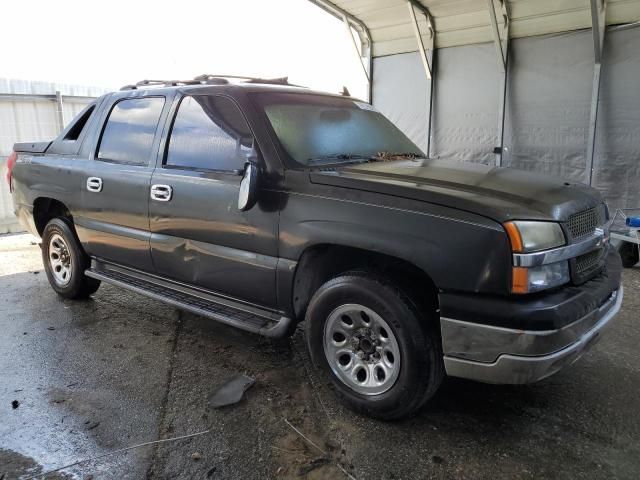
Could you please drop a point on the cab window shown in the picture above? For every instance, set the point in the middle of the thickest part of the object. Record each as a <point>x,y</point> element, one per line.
<point>209,133</point>
<point>130,130</point>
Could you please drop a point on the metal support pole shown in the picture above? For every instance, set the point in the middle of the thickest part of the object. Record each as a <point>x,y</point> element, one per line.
<point>502,106</point>
<point>500,32</point>
<point>60,110</point>
<point>432,85</point>
<point>598,15</point>
<point>426,55</point>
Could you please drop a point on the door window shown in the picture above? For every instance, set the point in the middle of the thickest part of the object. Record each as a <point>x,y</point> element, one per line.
<point>130,129</point>
<point>209,132</point>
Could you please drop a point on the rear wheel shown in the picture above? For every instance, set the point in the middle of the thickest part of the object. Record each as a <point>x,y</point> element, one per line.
<point>629,254</point>
<point>382,354</point>
<point>65,261</point>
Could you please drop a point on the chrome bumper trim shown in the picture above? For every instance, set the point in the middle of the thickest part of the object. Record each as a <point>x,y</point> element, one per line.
<point>485,343</point>
<point>597,240</point>
<point>527,363</point>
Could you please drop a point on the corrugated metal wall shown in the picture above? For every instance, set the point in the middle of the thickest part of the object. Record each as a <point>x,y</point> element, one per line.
<point>547,107</point>
<point>29,112</point>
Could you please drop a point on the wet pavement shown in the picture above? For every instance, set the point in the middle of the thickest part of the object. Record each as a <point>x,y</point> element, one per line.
<point>95,376</point>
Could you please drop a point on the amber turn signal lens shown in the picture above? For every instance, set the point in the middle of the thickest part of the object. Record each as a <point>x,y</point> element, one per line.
<point>519,280</point>
<point>514,237</point>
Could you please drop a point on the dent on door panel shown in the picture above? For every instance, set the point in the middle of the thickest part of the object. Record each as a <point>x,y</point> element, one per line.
<point>203,264</point>
<point>201,238</point>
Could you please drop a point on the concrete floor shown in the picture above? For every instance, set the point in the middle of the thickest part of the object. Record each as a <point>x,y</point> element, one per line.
<point>118,370</point>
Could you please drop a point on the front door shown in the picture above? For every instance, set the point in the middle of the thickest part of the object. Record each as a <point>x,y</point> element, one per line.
<point>198,235</point>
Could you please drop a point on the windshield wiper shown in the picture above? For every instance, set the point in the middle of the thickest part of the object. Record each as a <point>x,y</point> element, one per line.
<point>340,158</point>
<point>348,158</point>
<point>392,156</point>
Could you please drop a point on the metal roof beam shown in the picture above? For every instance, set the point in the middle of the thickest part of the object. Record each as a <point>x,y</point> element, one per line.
<point>426,52</point>
<point>362,55</point>
<point>598,17</point>
<point>598,12</point>
<point>500,29</point>
<point>365,52</point>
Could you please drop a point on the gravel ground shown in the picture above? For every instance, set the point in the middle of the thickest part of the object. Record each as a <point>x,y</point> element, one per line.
<point>95,376</point>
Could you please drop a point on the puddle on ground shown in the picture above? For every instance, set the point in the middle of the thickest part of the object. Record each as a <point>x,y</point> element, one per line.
<point>14,465</point>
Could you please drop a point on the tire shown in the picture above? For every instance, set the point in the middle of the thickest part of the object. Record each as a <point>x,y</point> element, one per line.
<point>62,252</point>
<point>409,380</point>
<point>629,254</point>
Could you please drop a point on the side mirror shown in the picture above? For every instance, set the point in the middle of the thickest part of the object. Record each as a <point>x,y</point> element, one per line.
<point>248,195</point>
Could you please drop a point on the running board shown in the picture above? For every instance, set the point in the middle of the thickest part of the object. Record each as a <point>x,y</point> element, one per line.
<point>224,310</point>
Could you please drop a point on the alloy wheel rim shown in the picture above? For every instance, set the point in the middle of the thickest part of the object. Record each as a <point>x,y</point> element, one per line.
<point>60,260</point>
<point>361,349</point>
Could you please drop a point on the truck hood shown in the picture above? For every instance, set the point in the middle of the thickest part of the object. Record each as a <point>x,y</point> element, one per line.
<point>498,193</point>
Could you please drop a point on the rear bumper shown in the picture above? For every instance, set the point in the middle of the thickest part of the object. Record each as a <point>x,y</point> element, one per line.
<point>503,354</point>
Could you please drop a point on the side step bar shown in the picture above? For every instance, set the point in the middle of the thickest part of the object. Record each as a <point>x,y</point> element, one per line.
<point>245,317</point>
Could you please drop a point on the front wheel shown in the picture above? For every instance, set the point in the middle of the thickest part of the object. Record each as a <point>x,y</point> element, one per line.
<point>65,261</point>
<point>381,353</point>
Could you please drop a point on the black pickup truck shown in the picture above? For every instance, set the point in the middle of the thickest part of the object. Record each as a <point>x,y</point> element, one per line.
<point>261,205</point>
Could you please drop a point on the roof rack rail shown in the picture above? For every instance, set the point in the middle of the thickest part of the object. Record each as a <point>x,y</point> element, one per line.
<point>160,83</point>
<point>208,79</point>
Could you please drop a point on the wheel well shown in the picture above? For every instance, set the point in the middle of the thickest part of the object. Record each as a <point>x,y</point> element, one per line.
<point>44,209</point>
<point>320,263</point>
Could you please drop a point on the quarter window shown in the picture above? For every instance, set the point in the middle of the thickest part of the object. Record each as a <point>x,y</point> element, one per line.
<point>79,123</point>
<point>209,132</point>
<point>130,129</point>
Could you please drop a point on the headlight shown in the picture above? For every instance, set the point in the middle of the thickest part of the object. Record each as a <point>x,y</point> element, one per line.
<point>534,279</point>
<point>530,236</point>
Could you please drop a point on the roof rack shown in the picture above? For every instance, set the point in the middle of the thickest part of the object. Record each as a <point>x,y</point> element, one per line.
<point>160,83</point>
<point>208,79</point>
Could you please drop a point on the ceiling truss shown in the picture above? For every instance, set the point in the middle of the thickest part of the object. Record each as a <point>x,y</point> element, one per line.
<point>383,29</point>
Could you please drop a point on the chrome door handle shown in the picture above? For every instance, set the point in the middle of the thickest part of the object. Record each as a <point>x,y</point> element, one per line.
<point>94,184</point>
<point>161,193</point>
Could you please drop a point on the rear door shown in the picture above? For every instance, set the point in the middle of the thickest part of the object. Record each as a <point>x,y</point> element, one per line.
<point>114,218</point>
<point>199,236</point>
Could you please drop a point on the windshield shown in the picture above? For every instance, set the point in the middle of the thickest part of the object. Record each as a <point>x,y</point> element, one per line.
<point>318,129</point>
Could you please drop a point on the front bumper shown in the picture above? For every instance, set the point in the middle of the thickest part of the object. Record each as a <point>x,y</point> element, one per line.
<point>495,353</point>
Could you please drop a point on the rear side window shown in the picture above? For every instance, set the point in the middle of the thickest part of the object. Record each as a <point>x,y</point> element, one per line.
<point>78,124</point>
<point>209,132</point>
<point>130,129</point>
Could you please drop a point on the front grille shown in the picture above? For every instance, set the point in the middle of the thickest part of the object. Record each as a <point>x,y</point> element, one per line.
<point>584,223</point>
<point>588,262</point>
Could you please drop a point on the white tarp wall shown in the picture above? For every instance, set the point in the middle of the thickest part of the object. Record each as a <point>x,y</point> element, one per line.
<point>547,108</point>
<point>29,112</point>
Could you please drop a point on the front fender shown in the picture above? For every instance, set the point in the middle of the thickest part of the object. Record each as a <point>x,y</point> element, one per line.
<point>458,250</point>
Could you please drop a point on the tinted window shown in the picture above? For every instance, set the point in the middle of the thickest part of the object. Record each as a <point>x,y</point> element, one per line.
<point>130,129</point>
<point>79,123</point>
<point>209,132</point>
